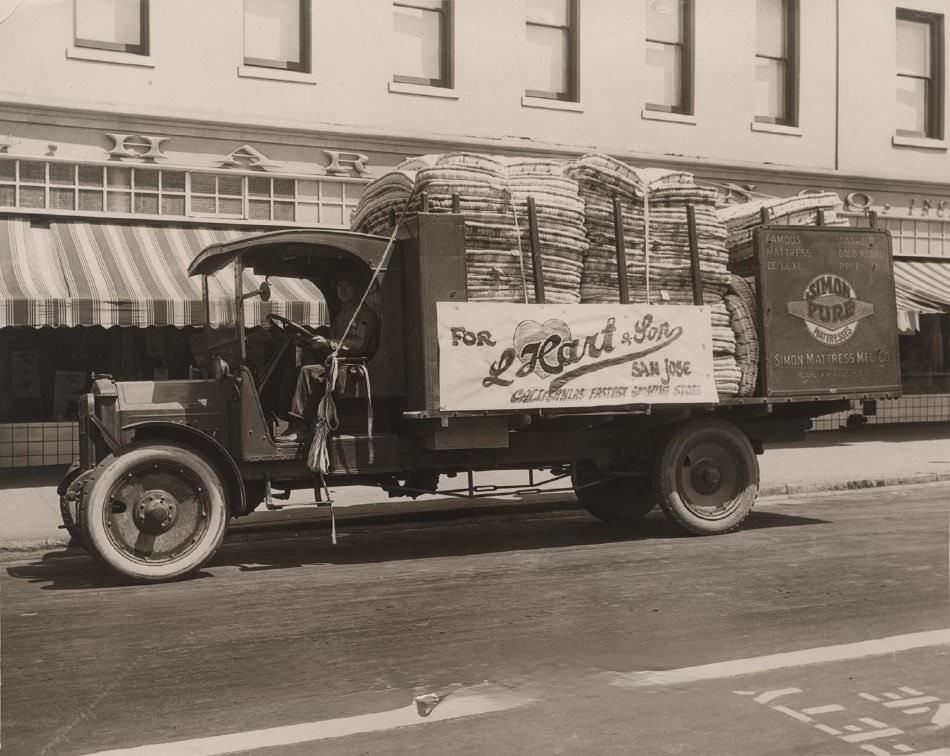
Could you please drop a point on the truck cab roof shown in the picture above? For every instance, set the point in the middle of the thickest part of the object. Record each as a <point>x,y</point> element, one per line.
<point>294,253</point>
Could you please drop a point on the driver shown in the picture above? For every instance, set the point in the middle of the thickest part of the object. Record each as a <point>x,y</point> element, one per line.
<point>361,341</point>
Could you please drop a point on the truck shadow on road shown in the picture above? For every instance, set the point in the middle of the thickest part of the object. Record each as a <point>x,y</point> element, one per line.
<point>407,540</point>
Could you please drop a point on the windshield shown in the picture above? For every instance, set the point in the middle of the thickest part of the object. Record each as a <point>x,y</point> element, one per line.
<point>233,300</point>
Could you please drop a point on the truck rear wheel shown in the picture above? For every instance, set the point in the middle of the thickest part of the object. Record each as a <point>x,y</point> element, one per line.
<point>707,477</point>
<point>618,500</point>
<point>156,511</point>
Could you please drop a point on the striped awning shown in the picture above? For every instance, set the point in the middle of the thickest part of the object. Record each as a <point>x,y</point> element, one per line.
<point>922,285</point>
<point>92,273</point>
<point>33,290</point>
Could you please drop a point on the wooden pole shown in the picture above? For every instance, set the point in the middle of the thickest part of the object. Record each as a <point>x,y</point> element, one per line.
<point>694,254</point>
<point>764,217</point>
<point>425,202</point>
<point>621,253</point>
<point>536,264</point>
<point>456,203</point>
<point>872,219</point>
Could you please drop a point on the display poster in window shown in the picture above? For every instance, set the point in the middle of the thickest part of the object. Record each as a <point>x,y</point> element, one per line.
<point>522,356</point>
<point>25,375</point>
<point>69,385</point>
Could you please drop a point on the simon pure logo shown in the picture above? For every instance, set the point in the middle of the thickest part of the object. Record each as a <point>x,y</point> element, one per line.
<point>830,309</point>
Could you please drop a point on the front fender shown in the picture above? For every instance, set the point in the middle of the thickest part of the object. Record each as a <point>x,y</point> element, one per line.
<point>209,446</point>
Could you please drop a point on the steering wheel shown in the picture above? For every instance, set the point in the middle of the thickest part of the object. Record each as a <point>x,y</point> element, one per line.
<point>294,332</point>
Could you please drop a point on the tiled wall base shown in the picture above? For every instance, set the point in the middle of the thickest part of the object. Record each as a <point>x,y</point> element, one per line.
<point>53,444</point>
<point>38,444</point>
<point>913,408</point>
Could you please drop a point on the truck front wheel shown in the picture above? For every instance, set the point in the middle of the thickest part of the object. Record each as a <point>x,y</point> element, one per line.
<point>707,476</point>
<point>156,511</point>
<point>618,500</point>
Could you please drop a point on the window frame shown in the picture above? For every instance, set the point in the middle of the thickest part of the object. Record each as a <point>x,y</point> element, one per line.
<point>446,79</point>
<point>687,45</point>
<point>108,189</point>
<point>935,99</point>
<point>791,36</point>
<point>573,92</point>
<point>301,66</point>
<point>93,44</point>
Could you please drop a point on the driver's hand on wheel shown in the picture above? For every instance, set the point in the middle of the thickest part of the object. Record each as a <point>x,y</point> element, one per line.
<point>320,344</point>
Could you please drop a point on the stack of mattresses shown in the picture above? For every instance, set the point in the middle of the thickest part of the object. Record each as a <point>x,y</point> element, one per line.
<point>560,216</point>
<point>493,265</point>
<point>740,301</point>
<point>725,370</point>
<point>741,220</point>
<point>492,198</point>
<point>653,204</point>
<point>386,197</point>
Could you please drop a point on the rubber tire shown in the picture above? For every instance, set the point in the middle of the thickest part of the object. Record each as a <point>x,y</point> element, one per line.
<point>73,528</point>
<point>112,468</point>
<point>673,456</point>
<point>617,501</point>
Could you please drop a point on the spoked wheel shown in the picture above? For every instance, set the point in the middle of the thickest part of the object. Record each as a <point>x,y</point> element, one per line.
<point>707,477</point>
<point>618,500</point>
<point>155,512</point>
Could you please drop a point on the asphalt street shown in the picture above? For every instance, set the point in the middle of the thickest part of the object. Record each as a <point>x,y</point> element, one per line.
<point>823,627</point>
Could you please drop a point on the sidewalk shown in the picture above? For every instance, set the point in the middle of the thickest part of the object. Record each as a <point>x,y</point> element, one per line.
<point>867,456</point>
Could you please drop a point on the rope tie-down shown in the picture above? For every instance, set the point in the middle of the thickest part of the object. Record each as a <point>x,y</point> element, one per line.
<point>327,420</point>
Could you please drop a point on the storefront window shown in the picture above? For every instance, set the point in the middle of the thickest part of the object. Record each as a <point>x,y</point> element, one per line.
<point>925,357</point>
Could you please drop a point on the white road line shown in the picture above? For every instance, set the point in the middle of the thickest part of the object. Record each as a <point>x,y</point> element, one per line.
<point>823,709</point>
<point>794,714</point>
<point>753,665</point>
<point>910,702</point>
<point>874,735</point>
<point>773,694</point>
<point>460,704</point>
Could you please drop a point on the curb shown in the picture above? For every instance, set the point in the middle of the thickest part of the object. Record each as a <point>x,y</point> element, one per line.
<point>853,485</point>
<point>318,518</point>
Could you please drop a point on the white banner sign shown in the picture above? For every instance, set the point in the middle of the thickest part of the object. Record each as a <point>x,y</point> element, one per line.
<point>505,356</point>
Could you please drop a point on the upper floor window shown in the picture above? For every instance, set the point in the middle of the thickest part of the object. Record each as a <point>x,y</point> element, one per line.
<point>552,61</point>
<point>119,25</point>
<point>277,34</point>
<point>920,57</point>
<point>776,62</point>
<point>423,42</point>
<point>669,46</point>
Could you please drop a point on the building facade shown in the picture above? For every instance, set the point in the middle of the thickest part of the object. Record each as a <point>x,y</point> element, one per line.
<point>166,125</point>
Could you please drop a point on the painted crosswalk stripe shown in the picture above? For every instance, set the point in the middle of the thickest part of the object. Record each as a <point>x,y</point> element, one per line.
<point>753,665</point>
<point>461,704</point>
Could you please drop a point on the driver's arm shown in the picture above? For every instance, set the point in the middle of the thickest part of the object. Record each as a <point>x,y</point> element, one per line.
<point>362,336</point>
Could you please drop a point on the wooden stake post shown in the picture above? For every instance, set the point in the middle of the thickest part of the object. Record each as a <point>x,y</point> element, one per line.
<point>621,253</point>
<point>536,264</point>
<point>694,254</point>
